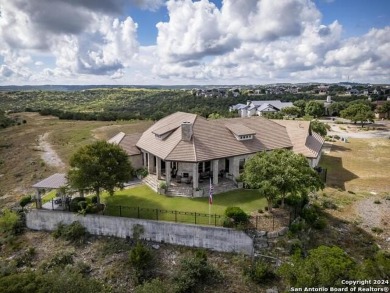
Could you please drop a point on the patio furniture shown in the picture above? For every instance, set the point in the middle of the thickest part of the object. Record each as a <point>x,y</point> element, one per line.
<point>178,179</point>
<point>189,180</point>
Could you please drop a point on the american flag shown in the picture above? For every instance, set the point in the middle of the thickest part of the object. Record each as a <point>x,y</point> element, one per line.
<point>211,192</point>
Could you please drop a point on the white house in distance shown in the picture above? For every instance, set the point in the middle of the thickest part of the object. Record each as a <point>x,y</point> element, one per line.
<point>185,150</point>
<point>253,108</point>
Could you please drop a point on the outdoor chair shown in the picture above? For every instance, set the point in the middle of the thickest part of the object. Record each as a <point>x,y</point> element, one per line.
<point>178,179</point>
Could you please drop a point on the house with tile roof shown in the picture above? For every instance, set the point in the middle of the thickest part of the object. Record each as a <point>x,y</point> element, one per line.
<point>258,108</point>
<point>186,149</point>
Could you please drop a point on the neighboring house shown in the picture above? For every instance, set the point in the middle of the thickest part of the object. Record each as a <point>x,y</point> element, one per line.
<point>378,114</point>
<point>258,108</point>
<point>187,148</point>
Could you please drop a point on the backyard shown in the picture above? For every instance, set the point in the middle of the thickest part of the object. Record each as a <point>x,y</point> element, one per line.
<point>143,196</point>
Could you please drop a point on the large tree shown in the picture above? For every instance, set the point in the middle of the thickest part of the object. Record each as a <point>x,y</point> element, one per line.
<point>315,109</point>
<point>99,166</point>
<point>336,107</point>
<point>281,172</point>
<point>358,112</point>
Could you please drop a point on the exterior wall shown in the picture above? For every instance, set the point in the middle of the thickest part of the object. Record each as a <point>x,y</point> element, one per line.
<point>214,238</point>
<point>184,168</point>
<point>136,161</point>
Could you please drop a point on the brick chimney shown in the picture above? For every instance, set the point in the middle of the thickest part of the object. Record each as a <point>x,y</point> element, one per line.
<point>186,131</point>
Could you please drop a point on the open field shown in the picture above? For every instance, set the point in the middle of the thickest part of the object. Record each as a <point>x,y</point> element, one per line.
<point>358,184</point>
<point>24,160</point>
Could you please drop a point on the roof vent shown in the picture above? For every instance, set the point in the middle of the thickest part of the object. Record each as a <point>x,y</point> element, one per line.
<point>186,131</point>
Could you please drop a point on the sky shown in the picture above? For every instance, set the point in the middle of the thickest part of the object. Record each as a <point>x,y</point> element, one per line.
<point>186,42</point>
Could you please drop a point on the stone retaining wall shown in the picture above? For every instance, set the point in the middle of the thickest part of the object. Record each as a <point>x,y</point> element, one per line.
<point>214,238</point>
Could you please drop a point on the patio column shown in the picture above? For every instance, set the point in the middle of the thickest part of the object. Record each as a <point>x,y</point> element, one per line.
<point>168,172</point>
<point>158,167</point>
<point>195,176</point>
<point>145,162</point>
<point>235,167</point>
<point>150,163</point>
<point>215,172</point>
<point>38,199</point>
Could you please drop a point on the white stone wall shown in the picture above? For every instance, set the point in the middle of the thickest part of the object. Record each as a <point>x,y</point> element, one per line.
<point>214,238</point>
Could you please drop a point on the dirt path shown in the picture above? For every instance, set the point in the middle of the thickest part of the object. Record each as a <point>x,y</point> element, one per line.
<point>49,155</point>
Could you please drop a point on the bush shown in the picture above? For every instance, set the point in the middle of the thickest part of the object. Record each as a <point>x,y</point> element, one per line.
<point>237,214</point>
<point>61,259</point>
<point>10,223</point>
<point>319,224</point>
<point>94,199</point>
<point>328,204</point>
<point>153,286</point>
<point>142,172</point>
<point>75,232</point>
<point>260,272</point>
<point>163,185</point>
<point>77,204</point>
<point>193,272</point>
<point>323,267</point>
<point>309,214</point>
<point>377,230</point>
<point>141,259</point>
<point>377,201</point>
<point>25,201</point>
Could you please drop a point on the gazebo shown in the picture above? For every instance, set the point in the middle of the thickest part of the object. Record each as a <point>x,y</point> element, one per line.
<point>55,181</point>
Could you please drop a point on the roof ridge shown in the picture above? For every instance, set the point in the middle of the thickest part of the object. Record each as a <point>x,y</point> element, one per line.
<point>193,138</point>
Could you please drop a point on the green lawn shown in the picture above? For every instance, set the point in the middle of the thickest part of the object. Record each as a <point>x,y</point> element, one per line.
<point>145,198</point>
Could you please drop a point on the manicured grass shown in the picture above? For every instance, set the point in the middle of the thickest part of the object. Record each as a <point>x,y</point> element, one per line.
<point>144,197</point>
<point>49,196</point>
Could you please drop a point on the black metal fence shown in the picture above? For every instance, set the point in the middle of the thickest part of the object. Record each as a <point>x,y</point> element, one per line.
<point>164,215</point>
<point>268,221</point>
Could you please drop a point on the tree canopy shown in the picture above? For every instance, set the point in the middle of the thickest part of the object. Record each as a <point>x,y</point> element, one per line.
<point>314,109</point>
<point>358,112</point>
<point>385,108</point>
<point>280,172</point>
<point>98,166</point>
<point>324,266</point>
<point>319,127</point>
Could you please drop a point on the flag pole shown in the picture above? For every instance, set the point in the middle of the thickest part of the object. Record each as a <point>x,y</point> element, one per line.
<point>210,198</point>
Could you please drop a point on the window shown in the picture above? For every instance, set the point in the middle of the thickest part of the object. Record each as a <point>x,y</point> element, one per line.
<point>245,137</point>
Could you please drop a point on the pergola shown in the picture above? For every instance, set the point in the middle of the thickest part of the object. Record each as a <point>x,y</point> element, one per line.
<point>55,181</point>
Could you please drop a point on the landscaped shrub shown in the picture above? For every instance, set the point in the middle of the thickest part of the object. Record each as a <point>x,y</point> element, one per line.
<point>309,214</point>
<point>260,272</point>
<point>75,232</point>
<point>142,172</point>
<point>193,272</point>
<point>237,214</point>
<point>94,199</point>
<point>25,201</point>
<point>77,204</point>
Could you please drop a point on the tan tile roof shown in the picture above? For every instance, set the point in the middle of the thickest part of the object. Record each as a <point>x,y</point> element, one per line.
<point>239,129</point>
<point>212,139</point>
<point>127,142</point>
<point>303,143</point>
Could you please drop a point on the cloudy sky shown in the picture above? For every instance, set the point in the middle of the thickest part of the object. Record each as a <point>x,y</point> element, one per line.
<point>193,42</point>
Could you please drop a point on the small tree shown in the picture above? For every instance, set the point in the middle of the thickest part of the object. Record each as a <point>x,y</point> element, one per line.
<point>98,166</point>
<point>281,172</point>
<point>314,109</point>
<point>293,111</point>
<point>358,112</point>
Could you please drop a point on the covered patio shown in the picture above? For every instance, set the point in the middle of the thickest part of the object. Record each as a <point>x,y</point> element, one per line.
<point>56,181</point>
